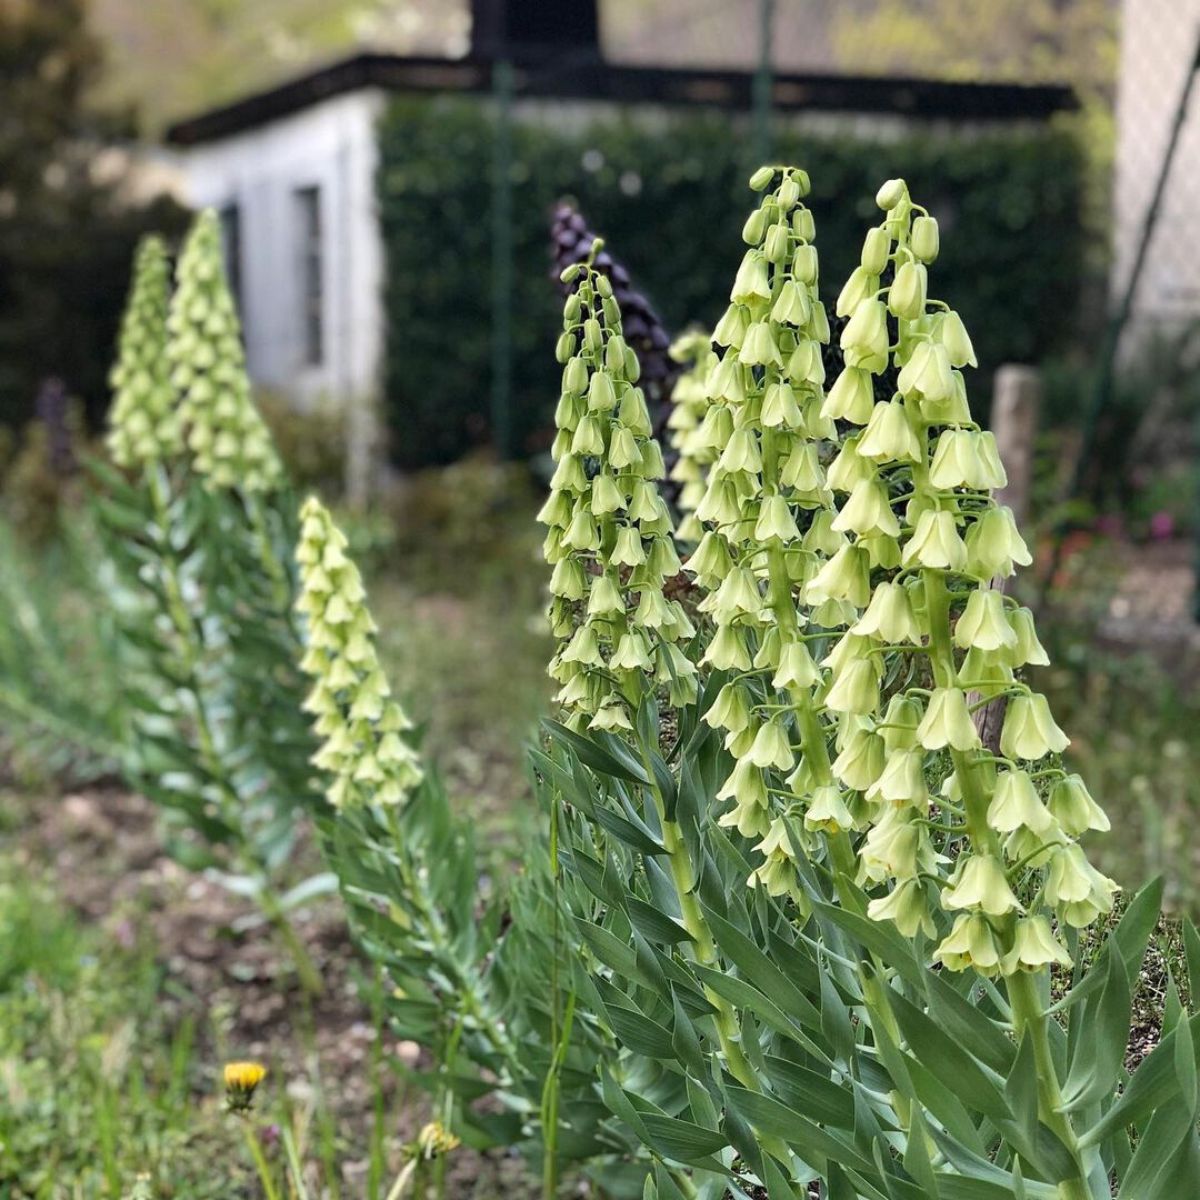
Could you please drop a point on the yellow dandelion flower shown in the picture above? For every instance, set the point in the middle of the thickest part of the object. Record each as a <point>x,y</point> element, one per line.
<point>241,1081</point>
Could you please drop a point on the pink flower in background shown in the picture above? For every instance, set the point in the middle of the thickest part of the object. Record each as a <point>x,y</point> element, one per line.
<point>1110,525</point>
<point>1162,526</point>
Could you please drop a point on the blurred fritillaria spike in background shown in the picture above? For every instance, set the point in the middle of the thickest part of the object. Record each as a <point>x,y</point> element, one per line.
<point>229,440</point>
<point>571,240</point>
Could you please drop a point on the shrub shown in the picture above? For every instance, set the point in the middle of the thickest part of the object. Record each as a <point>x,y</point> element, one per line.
<point>650,187</point>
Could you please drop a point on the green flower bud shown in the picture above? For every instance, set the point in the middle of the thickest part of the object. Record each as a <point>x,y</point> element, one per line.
<point>778,242</point>
<point>924,238</point>
<point>906,296</point>
<point>755,227</point>
<point>891,194</point>
<point>803,225</point>
<point>804,265</point>
<point>762,178</point>
<point>900,723</point>
<point>876,247</point>
<point>1029,731</point>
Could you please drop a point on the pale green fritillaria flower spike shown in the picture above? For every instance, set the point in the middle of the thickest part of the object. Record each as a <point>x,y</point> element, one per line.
<point>609,537</point>
<point>230,443</point>
<point>917,481</point>
<point>694,456</point>
<point>364,749</point>
<point>765,559</point>
<point>144,425</point>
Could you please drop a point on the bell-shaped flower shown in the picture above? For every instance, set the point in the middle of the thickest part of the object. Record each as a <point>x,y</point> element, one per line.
<point>979,883</point>
<point>936,543</point>
<point>855,688</point>
<point>983,623</point>
<point>864,340</point>
<point>731,328</point>
<point>952,333</point>
<point>1075,888</point>
<point>902,780</point>
<point>926,376</point>
<point>861,761</point>
<point>605,599</point>
<point>759,348</point>
<point>827,811</point>
<point>846,576</point>
<point>851,398</point>
<point>888,436</point>
<point>907,907</point>
<point>775,522</point>
<point>770,747</point>
<point>848,468</point>
<point>738,594</point>
<point>1028,650</point>
<point>806,366</point>
<point>1015,804</point>
<point>861,286</point>
<point>777,874</point>
<point>1029,731</point>
<point>792,306</point>
<point>780,409</point>
<point>730,710</point>
<point>802,471</point>
<point>867,511</point>
<point>957,461</point>
<point>994,545</point>
<point>900,724</point>
<point>889,617</point>
<point>1034,947</point>
<point>1074,809</point>
<point>728,650</point>
<point>611,715</point>
<point>947,722</point>
<point>796,668</point>
<point>710,562</point>
<point>970,945</point>
<point>751,282</point>
<point>985,671</point>
<point>894,848</point>
<point>747,788</point>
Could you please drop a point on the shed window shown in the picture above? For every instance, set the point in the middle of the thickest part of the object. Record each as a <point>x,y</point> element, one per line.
<point>310,248</point>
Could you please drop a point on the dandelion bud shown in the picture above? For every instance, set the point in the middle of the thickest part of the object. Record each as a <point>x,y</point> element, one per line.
<point>241,1082</point>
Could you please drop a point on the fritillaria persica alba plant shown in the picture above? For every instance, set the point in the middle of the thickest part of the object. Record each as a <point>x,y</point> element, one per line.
<point>794,928</point>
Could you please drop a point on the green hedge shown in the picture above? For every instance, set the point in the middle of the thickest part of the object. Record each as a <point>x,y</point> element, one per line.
<point>670,196</point>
